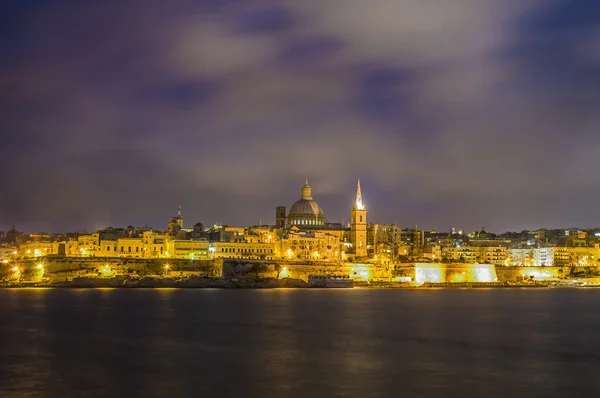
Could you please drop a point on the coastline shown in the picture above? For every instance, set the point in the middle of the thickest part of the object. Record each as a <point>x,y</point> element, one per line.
<point>266,283</point>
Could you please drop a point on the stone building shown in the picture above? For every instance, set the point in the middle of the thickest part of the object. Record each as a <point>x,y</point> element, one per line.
<point>305,212</point>
<point>358,225</point>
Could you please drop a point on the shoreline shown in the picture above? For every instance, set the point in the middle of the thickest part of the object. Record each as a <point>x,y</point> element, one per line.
<point>219,283</point>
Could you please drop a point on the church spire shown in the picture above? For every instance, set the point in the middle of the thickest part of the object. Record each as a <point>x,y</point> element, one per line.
<point>359,202</point>
<point>179,212</point>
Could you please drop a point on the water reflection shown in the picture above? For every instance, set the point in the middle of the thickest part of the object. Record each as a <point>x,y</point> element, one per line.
<point>359,342</point>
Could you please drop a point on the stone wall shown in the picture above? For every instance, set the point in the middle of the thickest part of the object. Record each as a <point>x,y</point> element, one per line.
<point>518,274</point>
<point>66,268</point>
<point>298,270</point>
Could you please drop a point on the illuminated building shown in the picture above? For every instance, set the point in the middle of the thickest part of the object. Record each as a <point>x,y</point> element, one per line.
<point>414,238</point>
<point>531,257</point>
<point>358,225</point>
<point>34,249</point>
<point>384,241</point>
<point>88,244</point>
<point>189,249</point>
<point>463,254</point>
<point>319,245</point>
<point>257,251</point>
<point>497,255</point>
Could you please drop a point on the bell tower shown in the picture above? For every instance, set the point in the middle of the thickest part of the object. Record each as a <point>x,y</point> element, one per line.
<point>358,225</point>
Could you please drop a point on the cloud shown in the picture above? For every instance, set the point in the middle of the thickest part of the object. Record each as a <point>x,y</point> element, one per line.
<point>454,112</point>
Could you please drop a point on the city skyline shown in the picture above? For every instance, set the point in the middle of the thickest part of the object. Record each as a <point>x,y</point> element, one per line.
<point>453,113</point>
<point>346,221</point>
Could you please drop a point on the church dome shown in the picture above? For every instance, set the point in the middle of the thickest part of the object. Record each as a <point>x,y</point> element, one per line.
<point>199,227</point>
<point>306,212</point>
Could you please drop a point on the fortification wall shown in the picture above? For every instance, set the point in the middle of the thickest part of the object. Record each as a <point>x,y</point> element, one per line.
<point>66,268</point>
<point>283,269</point>
<point>517,274</point>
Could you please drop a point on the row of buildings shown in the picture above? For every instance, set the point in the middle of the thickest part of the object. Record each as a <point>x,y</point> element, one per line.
<point>300,234</point>
<point>303,234</point>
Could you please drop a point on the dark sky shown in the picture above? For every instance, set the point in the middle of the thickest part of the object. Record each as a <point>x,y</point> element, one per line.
<point>454,113</point>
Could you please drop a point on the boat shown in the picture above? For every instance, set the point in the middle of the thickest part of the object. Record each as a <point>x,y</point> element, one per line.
<point>330,281</point>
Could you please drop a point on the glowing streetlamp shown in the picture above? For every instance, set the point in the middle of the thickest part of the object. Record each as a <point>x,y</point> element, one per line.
<point>166,269</point>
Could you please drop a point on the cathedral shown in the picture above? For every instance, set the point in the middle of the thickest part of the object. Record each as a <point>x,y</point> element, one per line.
<point>306,227</point>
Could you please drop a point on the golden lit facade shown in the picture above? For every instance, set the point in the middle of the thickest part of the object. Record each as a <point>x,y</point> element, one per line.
<point>188,249</point>
<point>358,225</point>
<point>34,249</point>
<point>465,254</point>
<point>497,255</point>
<point>310,246</point>
<point>257,251</point>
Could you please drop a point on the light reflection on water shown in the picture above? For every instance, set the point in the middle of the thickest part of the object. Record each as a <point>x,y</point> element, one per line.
<point>359,342</point>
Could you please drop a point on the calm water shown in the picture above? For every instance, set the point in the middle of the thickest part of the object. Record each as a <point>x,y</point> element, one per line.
<point>300,343</point>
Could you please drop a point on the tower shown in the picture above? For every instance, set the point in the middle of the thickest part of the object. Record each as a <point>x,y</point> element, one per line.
<point>175,223</point>
<point>179,218</point>
<point>280,217</point>
<point>358,225</point>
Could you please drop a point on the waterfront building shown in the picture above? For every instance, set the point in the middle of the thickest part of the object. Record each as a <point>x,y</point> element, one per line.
<point>257,251</point>
<point>520,257</point>
<point>496,255</point>
<point>459,253</point>
<point>130,247</point>
<point>321,245</point>
<point>7,253</point>
<point>87,245</point>
<point>543,257</point>
<point>188,249</point>
<point>32,249</point>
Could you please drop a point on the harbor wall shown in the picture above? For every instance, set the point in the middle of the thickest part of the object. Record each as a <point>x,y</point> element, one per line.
<point>301,271</point>
<point>67,268</point>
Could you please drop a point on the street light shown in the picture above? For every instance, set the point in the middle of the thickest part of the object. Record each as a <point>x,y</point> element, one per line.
<point>166,269</point>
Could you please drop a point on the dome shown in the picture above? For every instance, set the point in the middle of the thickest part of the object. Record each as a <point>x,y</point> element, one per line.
<point>306,211</point>
<point>199,227</point>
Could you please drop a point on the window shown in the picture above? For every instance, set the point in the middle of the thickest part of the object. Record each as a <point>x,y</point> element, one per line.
<point>360,218</point>
<point>129,249</point>
<point>107,248</point>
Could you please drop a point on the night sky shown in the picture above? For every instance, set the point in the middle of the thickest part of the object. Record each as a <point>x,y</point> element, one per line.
<point>453,113</point>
